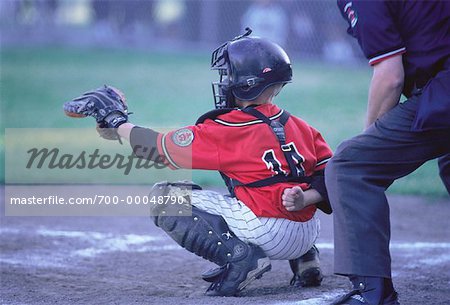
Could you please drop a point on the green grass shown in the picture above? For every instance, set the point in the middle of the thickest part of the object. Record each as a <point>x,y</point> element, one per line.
<point>167,90</point>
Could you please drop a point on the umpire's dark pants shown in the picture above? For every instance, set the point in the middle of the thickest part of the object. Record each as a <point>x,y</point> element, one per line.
<point>357,177</point>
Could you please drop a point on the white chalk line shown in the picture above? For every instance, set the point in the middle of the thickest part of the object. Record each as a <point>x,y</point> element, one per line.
<point>132,238</point>
<point>92,244</point>
<point>89,244</point>
<point>325,298</point>
<point>140,239</point>
<point>401,245</point>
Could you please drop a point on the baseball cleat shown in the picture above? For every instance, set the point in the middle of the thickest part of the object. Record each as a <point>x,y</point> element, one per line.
<point>233,277</point>
<point>306,269</point>
<point>368,291</point>
<point>356,298</point>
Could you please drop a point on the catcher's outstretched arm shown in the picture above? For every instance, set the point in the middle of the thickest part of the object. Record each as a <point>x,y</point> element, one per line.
<point>142,140</point>
<point>106,104</point>
<point>124,131</point>
<point>109,108</point>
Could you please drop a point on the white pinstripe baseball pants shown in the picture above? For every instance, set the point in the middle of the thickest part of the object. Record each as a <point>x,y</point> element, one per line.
<point>279,238</point>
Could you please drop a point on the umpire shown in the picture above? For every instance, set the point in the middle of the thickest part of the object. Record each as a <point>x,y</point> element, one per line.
<point>407,44</point>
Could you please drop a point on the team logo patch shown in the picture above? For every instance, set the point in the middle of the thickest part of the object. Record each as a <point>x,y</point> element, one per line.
<point>227,235</point>
<point>183,137</point>
<point>351,14</point>
<point>238,250</point>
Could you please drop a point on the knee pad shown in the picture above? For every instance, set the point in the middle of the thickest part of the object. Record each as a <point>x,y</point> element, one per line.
<point>202,233</point>
<point>171,198</point>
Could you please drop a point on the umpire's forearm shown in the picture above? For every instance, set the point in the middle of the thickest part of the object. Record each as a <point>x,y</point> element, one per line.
<point>385,88</point>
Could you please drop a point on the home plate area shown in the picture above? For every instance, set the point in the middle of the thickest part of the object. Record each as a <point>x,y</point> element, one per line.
<point>127,260</point>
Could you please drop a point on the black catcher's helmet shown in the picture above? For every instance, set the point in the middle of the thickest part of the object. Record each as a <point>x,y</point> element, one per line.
<point>247,66</point>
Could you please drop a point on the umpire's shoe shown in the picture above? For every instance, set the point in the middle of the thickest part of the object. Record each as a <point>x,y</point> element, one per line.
<point>231,278</point>
<point>306,269</point>
<point>369,291</point>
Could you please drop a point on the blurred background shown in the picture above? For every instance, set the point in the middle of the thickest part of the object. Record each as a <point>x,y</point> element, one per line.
<point>312,28</point>
<point>158,53</point>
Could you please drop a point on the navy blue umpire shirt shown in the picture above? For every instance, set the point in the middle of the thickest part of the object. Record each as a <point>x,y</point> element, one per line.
<point>419,29</point>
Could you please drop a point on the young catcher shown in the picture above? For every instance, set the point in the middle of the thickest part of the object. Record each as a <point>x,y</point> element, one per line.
<point>271,161</point>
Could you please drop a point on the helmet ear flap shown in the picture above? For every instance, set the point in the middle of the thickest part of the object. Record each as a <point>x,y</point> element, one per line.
<point>230,99</point>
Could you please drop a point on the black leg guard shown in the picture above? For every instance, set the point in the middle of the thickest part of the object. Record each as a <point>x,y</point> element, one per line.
<point>209,236</point>
<point>204,234</point>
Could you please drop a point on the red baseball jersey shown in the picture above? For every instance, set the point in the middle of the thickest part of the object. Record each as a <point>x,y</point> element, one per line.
<point>246,149</point>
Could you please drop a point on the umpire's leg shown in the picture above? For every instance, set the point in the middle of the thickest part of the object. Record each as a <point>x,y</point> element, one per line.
<point>357,177</point>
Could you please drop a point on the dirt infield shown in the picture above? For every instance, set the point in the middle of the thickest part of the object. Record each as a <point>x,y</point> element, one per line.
<point>127,260</point>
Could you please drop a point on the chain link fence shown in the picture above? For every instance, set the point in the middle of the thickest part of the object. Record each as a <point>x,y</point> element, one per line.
<point>307,28</point>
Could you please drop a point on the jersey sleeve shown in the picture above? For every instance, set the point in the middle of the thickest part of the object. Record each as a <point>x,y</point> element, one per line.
<point>372,23</point>
<point>323,154</point>
<point>191,147</point>
<point>323,151</point>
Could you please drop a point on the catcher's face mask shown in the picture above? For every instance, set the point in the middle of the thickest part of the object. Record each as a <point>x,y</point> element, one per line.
<point>223,97</point>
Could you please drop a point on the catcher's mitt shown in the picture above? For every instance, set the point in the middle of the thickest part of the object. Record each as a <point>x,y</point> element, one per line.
<point>106,104</point>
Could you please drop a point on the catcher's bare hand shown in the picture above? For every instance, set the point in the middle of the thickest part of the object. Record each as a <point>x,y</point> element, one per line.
<point>106,104</point>
<point>293,199</point>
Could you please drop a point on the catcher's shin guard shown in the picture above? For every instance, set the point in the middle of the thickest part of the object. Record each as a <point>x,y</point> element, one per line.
<point>209,236</point>
<point>306,269</point>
